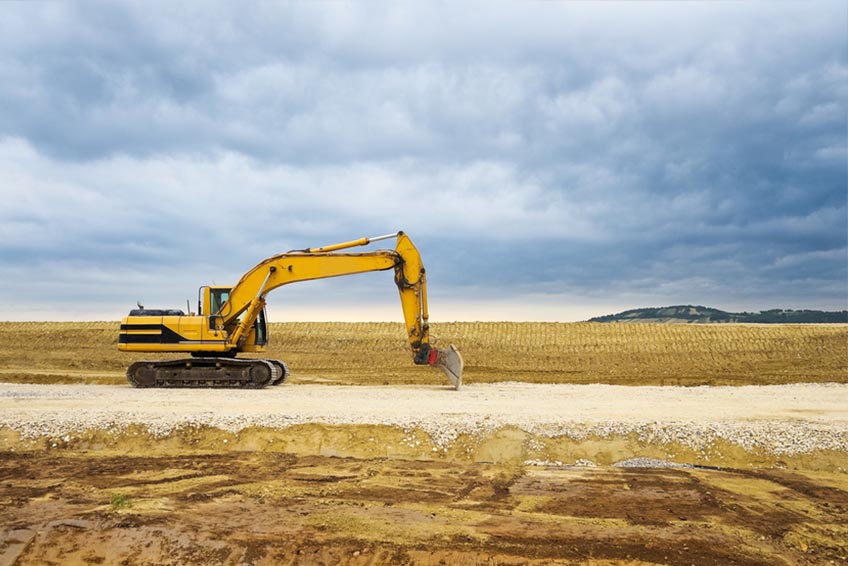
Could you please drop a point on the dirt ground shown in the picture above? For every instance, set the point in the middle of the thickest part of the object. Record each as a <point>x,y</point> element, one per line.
<point>80,508</point>
<point>333,490</point>
<point>377,493</point>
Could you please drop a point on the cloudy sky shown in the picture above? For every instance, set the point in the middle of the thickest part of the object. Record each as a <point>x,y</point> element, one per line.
<point>551,160</point>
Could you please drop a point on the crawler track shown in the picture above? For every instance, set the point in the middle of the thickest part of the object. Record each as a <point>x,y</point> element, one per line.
<point>207,373</point>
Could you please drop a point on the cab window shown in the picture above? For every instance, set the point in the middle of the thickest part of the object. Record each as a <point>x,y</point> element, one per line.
<point>218,298</point>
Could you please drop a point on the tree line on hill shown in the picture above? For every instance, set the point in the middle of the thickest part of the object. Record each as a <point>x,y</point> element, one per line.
<point>701,314</point>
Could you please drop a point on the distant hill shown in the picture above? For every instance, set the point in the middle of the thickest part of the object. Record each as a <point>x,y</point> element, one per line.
<point>700,315</point>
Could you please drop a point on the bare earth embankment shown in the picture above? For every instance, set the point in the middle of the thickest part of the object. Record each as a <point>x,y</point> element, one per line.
<point>563,448</point>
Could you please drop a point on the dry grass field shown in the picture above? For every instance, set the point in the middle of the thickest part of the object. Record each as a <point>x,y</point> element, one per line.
<point>376,353</point>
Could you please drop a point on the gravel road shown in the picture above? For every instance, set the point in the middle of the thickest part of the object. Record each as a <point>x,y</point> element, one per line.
<point>780,419</point>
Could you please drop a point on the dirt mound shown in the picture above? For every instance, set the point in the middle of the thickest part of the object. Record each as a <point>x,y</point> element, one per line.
<point>502,446</point>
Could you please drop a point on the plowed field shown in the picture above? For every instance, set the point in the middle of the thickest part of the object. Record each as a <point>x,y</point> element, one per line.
<point>377,353</point>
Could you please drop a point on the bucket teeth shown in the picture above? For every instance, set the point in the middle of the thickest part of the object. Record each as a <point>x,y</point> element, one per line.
<point>450,362</point>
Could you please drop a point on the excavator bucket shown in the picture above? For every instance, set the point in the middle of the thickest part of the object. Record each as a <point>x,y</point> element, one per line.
<point>450,362</point>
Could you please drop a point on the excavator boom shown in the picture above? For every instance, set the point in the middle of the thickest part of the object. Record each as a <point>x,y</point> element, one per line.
<point>231,320</point>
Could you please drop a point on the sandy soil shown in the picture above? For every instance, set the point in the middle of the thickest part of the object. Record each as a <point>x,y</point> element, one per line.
<point>519,404</point>
<point>779,419</point>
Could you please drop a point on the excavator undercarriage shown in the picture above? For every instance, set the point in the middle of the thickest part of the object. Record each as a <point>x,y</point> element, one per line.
<point>212,372</point>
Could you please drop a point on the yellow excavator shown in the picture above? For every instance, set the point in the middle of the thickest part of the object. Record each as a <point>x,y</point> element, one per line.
<point>231,320</point>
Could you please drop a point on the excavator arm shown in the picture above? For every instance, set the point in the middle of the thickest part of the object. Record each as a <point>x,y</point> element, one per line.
<point>247,298</point>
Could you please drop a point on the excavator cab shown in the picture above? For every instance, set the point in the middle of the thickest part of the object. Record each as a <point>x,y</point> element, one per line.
<point>212,300</point>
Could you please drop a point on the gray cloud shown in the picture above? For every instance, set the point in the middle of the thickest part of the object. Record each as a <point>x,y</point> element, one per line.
<point>560,152</point>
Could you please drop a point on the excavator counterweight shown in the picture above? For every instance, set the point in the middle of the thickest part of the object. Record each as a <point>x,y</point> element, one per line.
<point>231,320</point>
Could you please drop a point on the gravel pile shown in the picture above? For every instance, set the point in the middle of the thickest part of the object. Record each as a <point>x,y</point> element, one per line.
<point>780,420</point>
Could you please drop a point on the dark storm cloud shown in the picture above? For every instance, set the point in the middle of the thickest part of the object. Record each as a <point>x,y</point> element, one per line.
<point>645,152</point>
